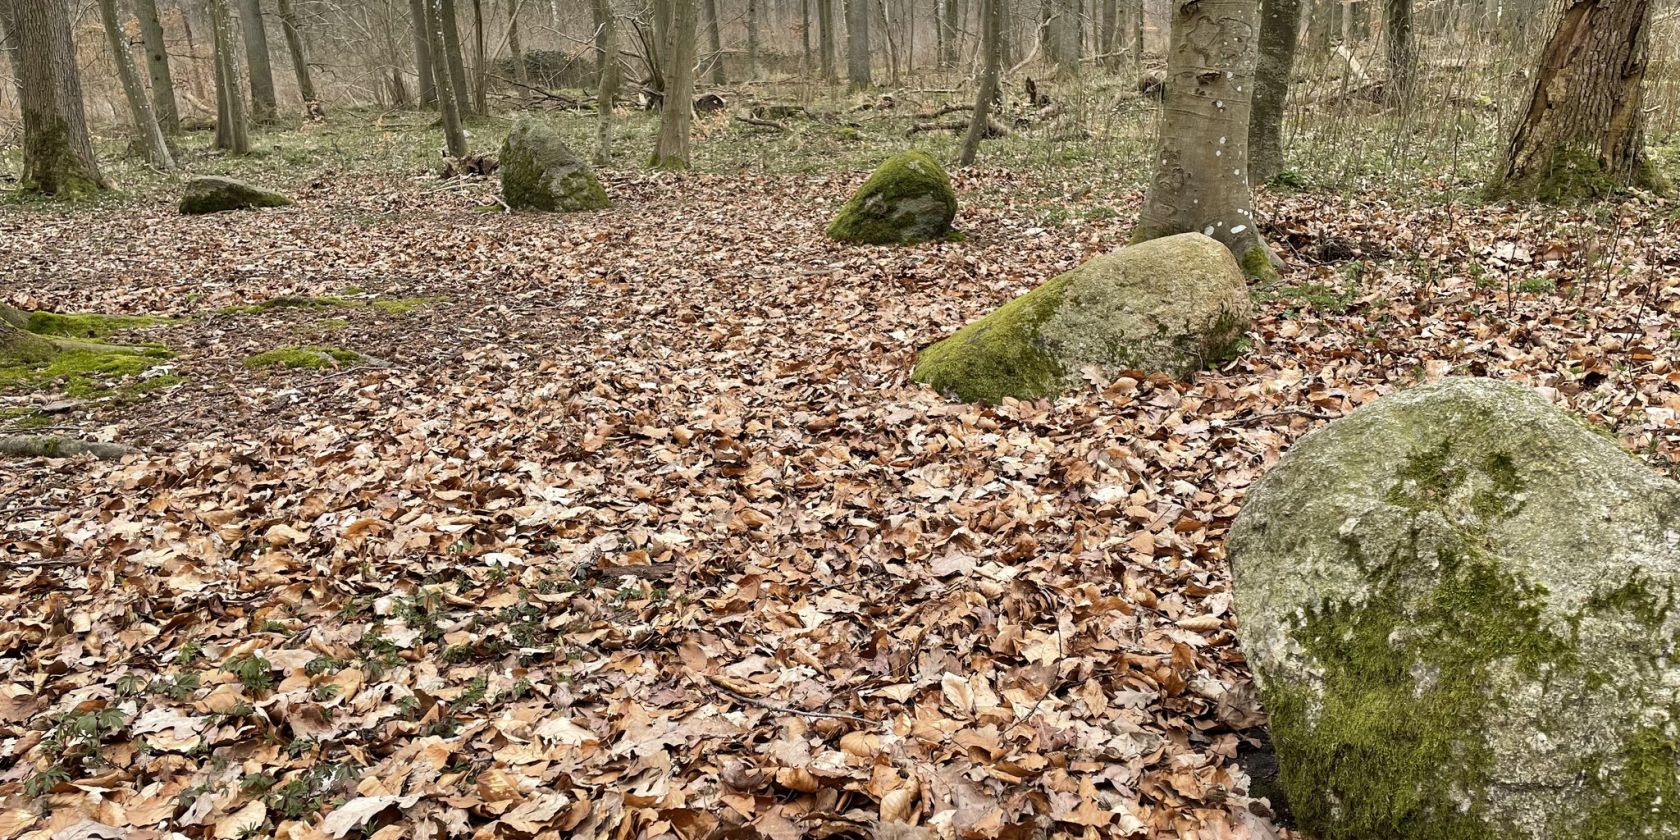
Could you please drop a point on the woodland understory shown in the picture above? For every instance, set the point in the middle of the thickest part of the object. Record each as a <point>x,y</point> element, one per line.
<point>631,521</point>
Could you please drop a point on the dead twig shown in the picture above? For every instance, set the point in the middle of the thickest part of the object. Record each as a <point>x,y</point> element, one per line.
<point>787,710</point>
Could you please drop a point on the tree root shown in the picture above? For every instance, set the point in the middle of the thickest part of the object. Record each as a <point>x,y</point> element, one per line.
<point>53,446</point>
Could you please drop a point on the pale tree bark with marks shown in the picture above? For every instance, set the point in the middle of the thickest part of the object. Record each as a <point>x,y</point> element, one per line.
<point>857,45</point>
<point>606,91</point>
<point>157,66</point>
<point>1201,172</point>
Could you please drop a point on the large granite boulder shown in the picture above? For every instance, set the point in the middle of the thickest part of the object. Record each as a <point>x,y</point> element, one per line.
<point>907,199</point>
<point>1459,605</point>
<point>540,172</point>
<point>1171,305</point>
<point>214,194</point>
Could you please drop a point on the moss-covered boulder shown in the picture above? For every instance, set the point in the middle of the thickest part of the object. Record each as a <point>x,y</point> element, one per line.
<point>213,194</point>
<point>539,172</point>
<point>1171,305</point>
<point>1459,605</point>
<point>907,199</point>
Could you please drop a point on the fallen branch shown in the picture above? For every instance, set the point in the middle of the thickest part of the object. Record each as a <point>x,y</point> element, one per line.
<point>948,109</point>
<point>53,446</point>
<point>993,130</point>
<point>761,123</point>
<point>719,685</point>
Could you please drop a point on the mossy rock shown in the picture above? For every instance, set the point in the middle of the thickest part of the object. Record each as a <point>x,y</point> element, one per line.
<point>1458,603</point>
<point>540,172</point>
<point>907,199</point>
<point>1171,305</point>
<point>214,194</point>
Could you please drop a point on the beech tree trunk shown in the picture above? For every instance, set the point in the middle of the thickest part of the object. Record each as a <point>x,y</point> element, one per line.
<point>57,153</point>
<point>1401,50</point>
<point>481,74</point>
<point>1064,34</point>
<point>1108,34</point>
<point>294,45</point>
<point>1137,37</point>
<point>449,103</point>
<point>1201,175</point>
<point>752,39</point>
<point>857,45</point>
<point>676,113</point>
<point>515,49</point>
<point>454,59</point>
<point>714,40</point>
<point>146,129</point>
<point>991,41</point>
<point>423,51</point>
<point>825,25</point>
<point>1582,133</point>
<point>157,67</point>
<point>231,131</point>
<point>807,59</point>
<point>264,106</point>
<point>606,91</point>
<point>1279,32</point>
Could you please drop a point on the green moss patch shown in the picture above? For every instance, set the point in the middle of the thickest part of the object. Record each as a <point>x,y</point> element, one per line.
<point>79,372</point>
<point>303,358</point>
<point>999,355</point>
<point>86,325</point>
<point>390,306</point>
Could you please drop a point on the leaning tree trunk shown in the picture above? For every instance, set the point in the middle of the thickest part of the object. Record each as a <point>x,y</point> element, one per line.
<point>1582,133</point>
<point>449,103</point>
<point>57,152</point>
<point>1201,175</point>
<point>991,41</point>
<point>423,57</point>
<point>714,40</point>
<point>606,91</point>
<point>825,39</point>
<point>1279,27</point>
<point>231,131</point>
<point>294,45</point>
<point>264,106</point>
<point>146,129</point>
<point>857,45</point>
<point>1401,52</point>
<point>157,67</point>
<point>454,59</point>
<point>676,113</point>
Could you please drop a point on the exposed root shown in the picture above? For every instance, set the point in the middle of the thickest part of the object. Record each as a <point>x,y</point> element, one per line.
<point>54,446</point>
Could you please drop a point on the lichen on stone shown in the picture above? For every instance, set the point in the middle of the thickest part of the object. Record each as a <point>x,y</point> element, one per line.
<point>908,198</point>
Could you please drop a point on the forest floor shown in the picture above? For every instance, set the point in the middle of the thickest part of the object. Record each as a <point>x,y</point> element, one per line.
<point>630,523</point>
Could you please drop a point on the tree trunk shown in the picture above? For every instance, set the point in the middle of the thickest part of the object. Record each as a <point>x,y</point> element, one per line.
<point>146,129</point>
<point>1137,37</point>
<point>752,39</point>
<point>825,25</point>
<point>515,49</point>
<point>157,67</point>
<point>1582,134</point>
<point>423,52</point>
<point>606,91</point>
<point>1108,36</point>
<point>1402,51</point>
<point>991,41</point>
<point>264,106</point>
<point>481,74</point>
<point>449,103</point>
<point>294,45</point>
<point>231,131</point>
<point>57,153</point>
<point>892,43</point>
<point>676,113</point>
<point>1279,28</point>
<point>714,40</point>
<point>1064,33</point>
<point>1201,176</point>
<point>454,59</point>
<point>857,45</point>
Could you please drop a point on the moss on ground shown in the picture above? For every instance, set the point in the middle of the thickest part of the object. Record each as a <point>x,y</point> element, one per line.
<point>81,372</point>
<point>391,306</point>
<point>303,358</point>
<point>86,325</point>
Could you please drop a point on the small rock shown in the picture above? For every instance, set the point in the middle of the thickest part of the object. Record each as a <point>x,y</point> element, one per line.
<point>214,194</point>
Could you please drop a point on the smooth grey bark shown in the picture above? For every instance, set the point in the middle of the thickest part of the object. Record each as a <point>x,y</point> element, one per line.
<point>857,45</point>
<point>449,102</point>
<point>157,67</point>
<point>676,113</point>
<point>423,51</point>
<point>1201,174</point>
<point>825,25</point>
<point>264,105</point>
<point>606,90</point>
<point>1137,37</point>
<point>953,34</point>
<point>146,128</point>
<point>1108,34</point>
<point>454,59</point>
<point>1279,30</point>
<point>232,133</point>
<point>294,45</point>
<point>57,151</point>
<point>991,41</point>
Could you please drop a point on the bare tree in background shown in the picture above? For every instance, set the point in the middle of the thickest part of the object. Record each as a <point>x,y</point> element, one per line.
<point>423,58</point>
<point>515,49</point>
<point>57,152</point>
<point>606,91</point>
<point>991,41</point>
<point>294,45</point>
<point>232,133</point>
<point>752,39</point>
<point>146,129</point>
<point>1402,50</point>
<point>1201,174</point>
<point>676,113</point>
<point>857,45</point>
<point>453,58</point>
<point>449,103</point>
<point>264,106</point>
<point>825,39</point>
<point>1280,22</point>
<point>714,40</point>
<point>1582,132</point>
<point>157,67</point>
